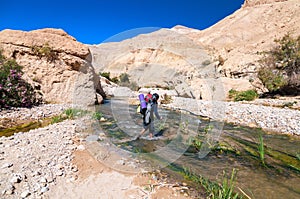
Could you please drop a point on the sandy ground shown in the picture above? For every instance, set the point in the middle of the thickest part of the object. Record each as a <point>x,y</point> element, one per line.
<point>96,180</point>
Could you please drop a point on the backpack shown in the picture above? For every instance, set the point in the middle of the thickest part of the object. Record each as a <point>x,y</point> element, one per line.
<point>148,97</point>
<point>145,109</point>
<point>144,100</point>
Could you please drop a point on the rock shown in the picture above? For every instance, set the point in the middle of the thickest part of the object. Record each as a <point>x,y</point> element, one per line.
<point>67,78</point>
<point>44,189</point>
<point>7,165</point>
<point>24,194</point>
<point>102,119</point>
<point>9,190</point>
<point>43,180</point>
<point>59,173</point>
<point>121,162</point>
<point>16,179</point>
<point>80,147</point>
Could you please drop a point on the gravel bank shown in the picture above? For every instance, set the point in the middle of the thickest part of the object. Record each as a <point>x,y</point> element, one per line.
<point>31,161</point>
<point>281,120</point>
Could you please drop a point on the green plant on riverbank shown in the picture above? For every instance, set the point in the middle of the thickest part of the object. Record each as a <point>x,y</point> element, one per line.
<point>197,141</point>
<point>247,95</point>
<point>222,190</point>
<point>97,115</point>
<point>68,114</point>
<point>298,156</point>
<point>261,149</point>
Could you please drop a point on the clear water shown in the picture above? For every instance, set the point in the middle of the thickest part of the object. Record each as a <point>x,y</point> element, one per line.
<point>278,179</point>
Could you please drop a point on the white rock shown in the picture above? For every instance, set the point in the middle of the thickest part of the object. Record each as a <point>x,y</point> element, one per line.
<point>80,147</point>
<point>24,194</point>
<point>44,189</point>
<point>7,165</point>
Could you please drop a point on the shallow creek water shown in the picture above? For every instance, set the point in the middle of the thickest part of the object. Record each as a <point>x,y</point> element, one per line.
<point>222,148</point>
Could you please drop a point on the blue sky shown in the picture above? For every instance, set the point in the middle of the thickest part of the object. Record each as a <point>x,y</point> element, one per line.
<point>95,21</point>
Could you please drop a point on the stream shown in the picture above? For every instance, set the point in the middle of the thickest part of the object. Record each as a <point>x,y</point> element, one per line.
<point>210,148</point>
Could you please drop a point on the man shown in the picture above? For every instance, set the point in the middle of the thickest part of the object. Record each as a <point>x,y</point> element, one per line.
<point>148,117</point>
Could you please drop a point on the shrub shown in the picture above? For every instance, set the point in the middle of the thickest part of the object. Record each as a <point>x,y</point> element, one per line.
<point>15,91</point>
<point>115,80</point>
<point>281,65</point>
<point>45,51</point>
<point>97,115</point>
<point>247,95</point>
<point>106,75</point>
<point>124,78</point>
<point>166,99</point>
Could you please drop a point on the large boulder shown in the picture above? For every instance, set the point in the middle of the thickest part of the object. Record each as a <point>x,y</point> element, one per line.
<point>55,63</point>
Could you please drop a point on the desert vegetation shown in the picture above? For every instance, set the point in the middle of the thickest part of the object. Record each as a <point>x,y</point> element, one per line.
<point>45,51</point>
<point>280,71</point>
<point>122,80</point>
<point>14,90</point>
<point>247,95</point>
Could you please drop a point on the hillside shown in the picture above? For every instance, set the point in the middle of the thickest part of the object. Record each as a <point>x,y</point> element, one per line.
<point>249,30</point>
<point>203,64</point>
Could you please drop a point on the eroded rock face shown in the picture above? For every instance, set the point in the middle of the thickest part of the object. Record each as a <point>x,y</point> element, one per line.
<point>54,62</point>
<point>162,59</point>
<point>237,41</point>
<point>204,64</point>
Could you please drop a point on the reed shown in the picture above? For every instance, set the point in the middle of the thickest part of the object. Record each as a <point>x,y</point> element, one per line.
<point>261,149</point>
<point>223,190</point>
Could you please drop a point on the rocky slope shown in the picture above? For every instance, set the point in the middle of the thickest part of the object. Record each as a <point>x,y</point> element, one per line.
<point>55,63</point>
<point>163,58</point>
<point>204,64</point>
<point>238,38</point>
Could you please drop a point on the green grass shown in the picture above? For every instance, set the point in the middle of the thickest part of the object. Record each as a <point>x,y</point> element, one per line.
<point>261,149</point>
<point>214,190</point>
<point>247,95</point>
<point>97,115</point>
<point>70,113</point>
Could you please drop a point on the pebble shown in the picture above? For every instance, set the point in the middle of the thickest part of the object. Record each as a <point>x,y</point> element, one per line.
<point>270,117</point>
<point>24,194</point>
<point>35,159</point>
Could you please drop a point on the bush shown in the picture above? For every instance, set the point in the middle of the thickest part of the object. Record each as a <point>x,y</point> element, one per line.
<point>166,99</point>
<point>247,95</point>
<point>124,78</point>
<point>45,51</point>
<point>107,76</point>
<point>273,80</point>
<point>281,65</point>
<point>15,91</point>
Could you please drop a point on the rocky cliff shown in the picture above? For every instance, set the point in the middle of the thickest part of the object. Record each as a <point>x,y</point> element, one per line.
<point>55,63</point>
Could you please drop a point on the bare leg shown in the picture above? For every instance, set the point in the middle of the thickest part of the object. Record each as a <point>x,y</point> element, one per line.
<point>141,133</point>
